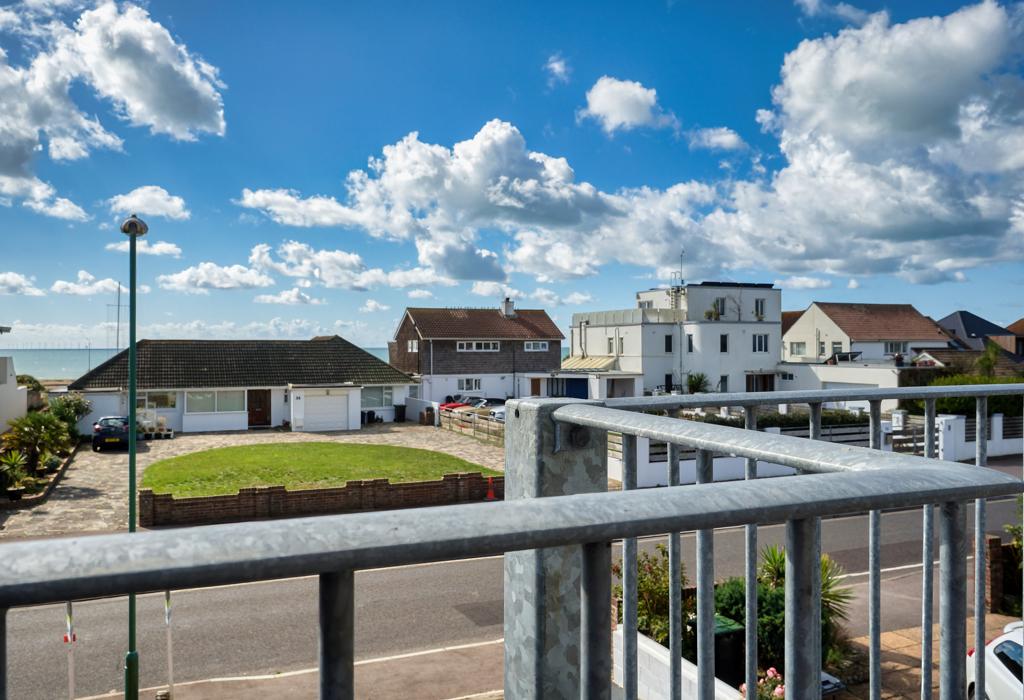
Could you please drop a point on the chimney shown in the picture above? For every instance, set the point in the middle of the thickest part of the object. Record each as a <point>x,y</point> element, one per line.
<point>508,308</point>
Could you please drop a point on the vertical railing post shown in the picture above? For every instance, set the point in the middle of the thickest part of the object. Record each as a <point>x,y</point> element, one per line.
<point>927,561</point>
<point>542,610</point>
<point>814,426</point>
<point>630,618</point>
<point>3,653</point>
<point>803,609</point>
<point>595,622</point>
<point>337,635</point>
<point>952,602</point>
<point>874,570</point>
<point>750,574</point>
<point>675,591</point>
<point>705,592</point>
<point>980,553</point>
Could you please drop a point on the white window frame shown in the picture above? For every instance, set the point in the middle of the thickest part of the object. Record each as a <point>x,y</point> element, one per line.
<point>469,384</point>
<point>798,347</point>
<point>611,345</point>
<point>895,347</point>
<point>216,400</point>
<point>535,346</point>
<point>670,342</point>
<point>143,396</point>
<point>478,346</point>
<point>622,345</point>
<point>821,348</point>
<point>834,344</point>
<point>759,305</point>
<point>723,383</point>
<point>412,346</point>
<point>720,305</point>
<point>689,342</point>
<point>723,337</point>
<point>387,396</point>
<point>760,342</point>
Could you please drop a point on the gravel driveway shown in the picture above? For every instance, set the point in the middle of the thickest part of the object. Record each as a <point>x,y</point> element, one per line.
<point>93,496</point>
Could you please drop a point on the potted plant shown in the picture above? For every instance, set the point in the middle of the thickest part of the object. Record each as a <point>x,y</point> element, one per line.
<point>12,465</point>
<point>52,463</point>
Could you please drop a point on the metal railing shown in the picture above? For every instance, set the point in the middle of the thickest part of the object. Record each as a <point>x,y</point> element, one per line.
<point>558,548</point>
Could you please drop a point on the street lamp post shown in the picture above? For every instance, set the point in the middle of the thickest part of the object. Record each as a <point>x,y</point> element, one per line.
<point>133,227</point>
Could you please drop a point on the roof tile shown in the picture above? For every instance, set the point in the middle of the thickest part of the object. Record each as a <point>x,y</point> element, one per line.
<point>879,322</point>
<point>526,324</point>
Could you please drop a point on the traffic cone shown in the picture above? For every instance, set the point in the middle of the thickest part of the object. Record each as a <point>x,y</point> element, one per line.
<point>490,490</point>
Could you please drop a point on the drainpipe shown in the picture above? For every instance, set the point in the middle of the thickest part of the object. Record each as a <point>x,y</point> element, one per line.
<point>431,369</point>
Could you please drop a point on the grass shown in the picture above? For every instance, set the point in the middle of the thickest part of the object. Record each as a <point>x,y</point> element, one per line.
<point>304,465</point>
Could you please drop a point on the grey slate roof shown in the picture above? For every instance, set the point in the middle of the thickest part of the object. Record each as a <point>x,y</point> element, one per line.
<point>188,364</point>
<point>970,329</point>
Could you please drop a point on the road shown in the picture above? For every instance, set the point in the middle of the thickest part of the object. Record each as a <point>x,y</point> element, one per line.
<point>270,627</point>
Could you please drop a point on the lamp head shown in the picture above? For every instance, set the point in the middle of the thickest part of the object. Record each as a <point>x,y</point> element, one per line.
<point>134,226</point>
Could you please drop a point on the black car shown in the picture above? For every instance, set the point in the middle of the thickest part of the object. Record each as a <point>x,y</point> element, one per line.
<point>109,431</point>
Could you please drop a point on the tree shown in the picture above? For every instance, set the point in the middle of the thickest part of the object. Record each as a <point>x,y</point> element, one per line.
<point>986,363</point>
<point>33,384</point>
<point>70,408</point>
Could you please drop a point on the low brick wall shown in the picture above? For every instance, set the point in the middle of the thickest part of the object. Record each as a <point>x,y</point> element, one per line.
<point>156,510</point>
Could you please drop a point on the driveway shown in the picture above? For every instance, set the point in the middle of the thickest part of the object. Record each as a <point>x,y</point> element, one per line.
<point>93,496</point>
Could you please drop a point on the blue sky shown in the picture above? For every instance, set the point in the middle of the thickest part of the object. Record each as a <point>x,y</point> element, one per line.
<point>316,168</point>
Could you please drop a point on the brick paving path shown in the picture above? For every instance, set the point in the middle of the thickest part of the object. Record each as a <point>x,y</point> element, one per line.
<point>93,496</point>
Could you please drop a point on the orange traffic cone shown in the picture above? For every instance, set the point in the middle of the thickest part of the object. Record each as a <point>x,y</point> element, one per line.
<point>490,490</point>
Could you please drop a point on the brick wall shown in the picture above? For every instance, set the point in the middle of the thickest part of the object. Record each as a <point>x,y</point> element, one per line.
<point>511,357</point>
<point>157,510</point>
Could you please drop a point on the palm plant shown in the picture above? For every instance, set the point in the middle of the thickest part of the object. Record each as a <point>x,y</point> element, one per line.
<point>12,466</point>
<point>697,383</point>
<point>36,433</point>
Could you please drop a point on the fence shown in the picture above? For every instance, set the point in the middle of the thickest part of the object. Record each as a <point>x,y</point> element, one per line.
<point>475,424</point>
<point>556,531</point>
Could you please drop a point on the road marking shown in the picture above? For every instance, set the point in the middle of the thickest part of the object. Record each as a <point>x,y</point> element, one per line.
<point>306,671</point>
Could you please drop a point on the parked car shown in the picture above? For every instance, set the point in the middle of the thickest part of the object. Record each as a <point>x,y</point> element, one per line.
<point>498,413</point>
<point>452,405</point>
<point>1003,664</point>
<point>109,431</point>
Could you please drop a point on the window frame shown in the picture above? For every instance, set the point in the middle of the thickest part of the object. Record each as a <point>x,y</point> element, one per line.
<point>469,384</point>
<point>723,383</point>
<point>821,348</point>
<point>719,306</point>
<point>216,401</point>
<point>723,343</point>
<point>386,391</point>
<point>535,346</point>
<point>759,342</point>
<point>478,346</point>
<point>836,350</point>
<point>900,345</point>
<point>412,346</point>
<point>689,342</point>
<point>759,306</point>
<point>668,342</point>
<point>794,344</point>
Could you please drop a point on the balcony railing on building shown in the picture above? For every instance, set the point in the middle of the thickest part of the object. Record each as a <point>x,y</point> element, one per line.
<point>556,529</point>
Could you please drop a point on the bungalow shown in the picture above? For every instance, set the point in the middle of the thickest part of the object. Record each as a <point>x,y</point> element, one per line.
<point>973,332</point>
<point>326,383</point>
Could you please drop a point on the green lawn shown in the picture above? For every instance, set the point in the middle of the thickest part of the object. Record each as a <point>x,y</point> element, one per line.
<point>297,465</point>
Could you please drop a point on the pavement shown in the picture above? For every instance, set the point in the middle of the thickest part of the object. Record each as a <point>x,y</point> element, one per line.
<point>93,495</point>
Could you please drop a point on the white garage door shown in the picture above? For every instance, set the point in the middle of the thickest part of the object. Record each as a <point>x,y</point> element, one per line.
<point>326,412</point>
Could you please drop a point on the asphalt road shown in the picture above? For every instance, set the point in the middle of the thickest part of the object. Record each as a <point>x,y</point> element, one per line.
<point>268,627</point>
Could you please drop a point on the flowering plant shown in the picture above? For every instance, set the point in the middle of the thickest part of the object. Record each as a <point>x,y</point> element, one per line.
<point>770,686</point>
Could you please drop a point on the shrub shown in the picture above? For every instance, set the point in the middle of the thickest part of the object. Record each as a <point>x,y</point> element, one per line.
<point>770,686</point>
<point>12,465</point>
<point>36,433</point>
<point>731,602</point>
<point>652,603</point>
<point>791,420</point>
<point>70,409</point>
<point>965,405</point>
<point>697,383</point>
<point>33,384</point>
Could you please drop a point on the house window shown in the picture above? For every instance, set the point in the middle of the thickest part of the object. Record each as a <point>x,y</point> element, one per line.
<point>723,342</point>
<point>414,391</point>
<point>821,347</point>
<point>412,346</point>
<point>893,347</point>
<point>535,346</point>
<point>157,399</point>
<point>723,383</point>
<point>646,305</point>
<point>798,349</point>
<point>469,384</point>
<point>786,376</point>
<point>760,342</point>
<point>611,346</point>
<point>689,342</point>
<point>837,346</point>
<point>622,345</point>
<point>478,346</point>
<point>231,401</point>
<point>668,342</point>
<point>377,397</point>
<point>759,309</point>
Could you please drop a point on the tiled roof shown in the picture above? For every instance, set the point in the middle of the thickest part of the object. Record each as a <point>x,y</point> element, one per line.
<point>1017,327</point>
<point>526,324</point>
<point>186,364</point>
<point>1007,365</point>
<point>875,322</point>
<point>971,329</point>
<point>789,318</point>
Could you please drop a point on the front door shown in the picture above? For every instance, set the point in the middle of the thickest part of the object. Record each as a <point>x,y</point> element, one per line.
<point>259,408</point>
<point>534,386</point>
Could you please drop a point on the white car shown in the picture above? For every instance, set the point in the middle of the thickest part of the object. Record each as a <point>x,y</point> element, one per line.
<point>1003,665</point>
<point>498,413</point>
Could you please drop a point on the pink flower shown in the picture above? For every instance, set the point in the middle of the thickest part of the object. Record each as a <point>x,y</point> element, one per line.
<point>771,673</point>
<point>743,689</point>
<point>780,691</point>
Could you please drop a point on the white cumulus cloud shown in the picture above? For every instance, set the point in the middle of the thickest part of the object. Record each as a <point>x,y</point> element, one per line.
<point>145,247</point>
<point>288,297</point>
<point>720,138</point>
<point>372,306</point>
<point>558,70</point>
<point>841,10</point>
<point>803,282</point>
<point>152,200</point>
<point>421,294</point>
<point>16,283</point>
<point>201,278</point>
<point>87,285</point>
<point>624,105</point>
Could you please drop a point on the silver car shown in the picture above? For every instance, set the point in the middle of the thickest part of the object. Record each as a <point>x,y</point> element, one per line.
<point>1003,665</point>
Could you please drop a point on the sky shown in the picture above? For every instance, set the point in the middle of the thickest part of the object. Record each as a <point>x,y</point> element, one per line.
<point>309,168</point>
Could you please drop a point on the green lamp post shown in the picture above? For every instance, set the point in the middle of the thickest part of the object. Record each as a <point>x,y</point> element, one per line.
<point>134,228</point>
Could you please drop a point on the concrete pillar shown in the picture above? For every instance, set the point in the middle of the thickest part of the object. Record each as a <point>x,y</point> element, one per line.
<point>542,598</point>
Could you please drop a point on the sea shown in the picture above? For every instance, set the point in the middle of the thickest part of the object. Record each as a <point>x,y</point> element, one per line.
<point>70,363</point>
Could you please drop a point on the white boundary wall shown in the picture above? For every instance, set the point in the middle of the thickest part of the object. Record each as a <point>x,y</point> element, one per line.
<point>953,445</point>
<point>653,666</point>
<point>414,407</point>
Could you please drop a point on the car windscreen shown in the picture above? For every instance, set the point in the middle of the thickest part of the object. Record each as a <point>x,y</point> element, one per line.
<point>1010,654</point>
